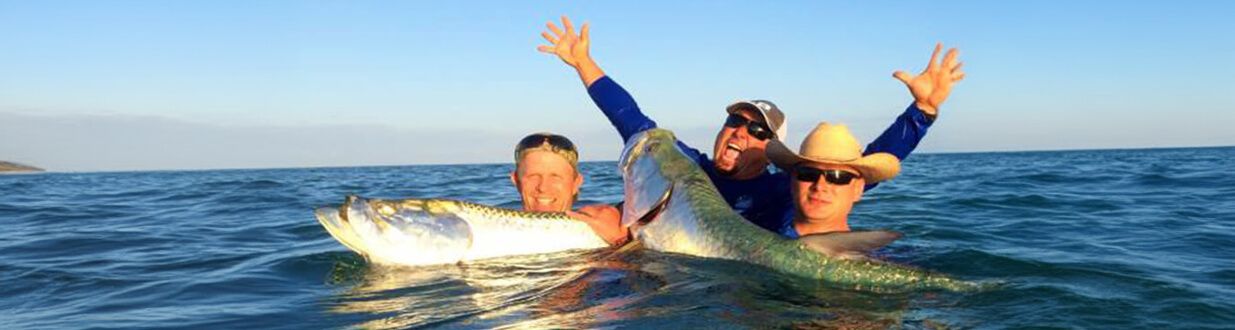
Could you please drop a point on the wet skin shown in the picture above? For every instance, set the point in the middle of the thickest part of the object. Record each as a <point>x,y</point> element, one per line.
<point>821,206</point>
<point>546,182</point>
<point>549,183</point>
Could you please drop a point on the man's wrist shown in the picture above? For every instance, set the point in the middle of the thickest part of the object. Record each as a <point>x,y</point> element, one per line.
<point>926,110</point>
<point>589,72</point>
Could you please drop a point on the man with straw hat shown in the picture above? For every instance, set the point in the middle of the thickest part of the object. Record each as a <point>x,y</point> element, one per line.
<point>829,174</point>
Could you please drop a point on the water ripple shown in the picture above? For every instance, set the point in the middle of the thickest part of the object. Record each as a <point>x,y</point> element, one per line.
<point>1082,239</point>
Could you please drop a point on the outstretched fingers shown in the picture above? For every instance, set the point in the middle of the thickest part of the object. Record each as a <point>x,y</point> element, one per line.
<point>570,28</point>
<point>953,65</point>
<point>902,76</point>
<point>550,38</point>
<point>556,31</point>
<point>934,56</point>
<point>949,60</point>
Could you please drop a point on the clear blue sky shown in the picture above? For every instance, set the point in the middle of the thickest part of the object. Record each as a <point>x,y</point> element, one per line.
<point>119,85</point>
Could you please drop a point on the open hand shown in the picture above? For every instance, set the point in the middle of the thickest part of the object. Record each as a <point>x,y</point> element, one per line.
<point>570,47</point>
<point>931,87</point>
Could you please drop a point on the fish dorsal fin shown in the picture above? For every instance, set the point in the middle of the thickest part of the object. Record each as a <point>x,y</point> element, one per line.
<point>854,244</point>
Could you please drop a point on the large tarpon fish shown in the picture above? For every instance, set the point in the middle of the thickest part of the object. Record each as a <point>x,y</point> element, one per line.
<point>418,232</point>
<point>672,206</point>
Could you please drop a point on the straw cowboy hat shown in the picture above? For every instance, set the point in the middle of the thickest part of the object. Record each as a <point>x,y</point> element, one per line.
<point>833,144</point>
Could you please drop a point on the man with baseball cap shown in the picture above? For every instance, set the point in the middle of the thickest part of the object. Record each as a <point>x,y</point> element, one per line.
<point>829,175</point>
<point>739,169</point>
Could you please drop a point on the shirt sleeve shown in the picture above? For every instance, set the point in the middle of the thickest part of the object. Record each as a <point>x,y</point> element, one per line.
<point>693,154</point>
<point>624,114</point>
<point>902,137</point>
<point>619,107</point>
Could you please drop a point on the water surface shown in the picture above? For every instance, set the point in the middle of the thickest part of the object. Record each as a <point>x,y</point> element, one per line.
<point>1081,239</point>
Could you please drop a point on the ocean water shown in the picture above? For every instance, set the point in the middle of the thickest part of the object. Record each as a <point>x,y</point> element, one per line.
<point>1079,239</point>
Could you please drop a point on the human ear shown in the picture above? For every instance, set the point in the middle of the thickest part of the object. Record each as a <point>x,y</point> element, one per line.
<point>578,182</point>
<point>514,179</point>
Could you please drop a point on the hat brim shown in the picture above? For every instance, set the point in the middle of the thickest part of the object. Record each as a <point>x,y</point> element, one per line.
<point>744,105</point>
<point>874,168</point>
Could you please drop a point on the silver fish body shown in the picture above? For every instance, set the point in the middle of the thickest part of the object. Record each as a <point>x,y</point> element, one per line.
<point>416,232</point>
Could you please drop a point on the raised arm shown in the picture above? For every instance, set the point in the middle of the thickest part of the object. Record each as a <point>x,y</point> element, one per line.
<point>617,104</point>
<point>929,89</point>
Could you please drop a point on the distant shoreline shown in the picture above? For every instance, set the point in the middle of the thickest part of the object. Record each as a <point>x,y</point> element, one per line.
<point>581,162</point>
<point>10,167</point>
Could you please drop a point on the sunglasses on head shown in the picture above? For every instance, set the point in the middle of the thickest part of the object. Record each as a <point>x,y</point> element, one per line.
<point>756,129</point>
<point>536,140</point>
<point>836,177</point>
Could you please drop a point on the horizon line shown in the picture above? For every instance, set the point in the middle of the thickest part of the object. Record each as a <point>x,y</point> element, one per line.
<point>587,161</point>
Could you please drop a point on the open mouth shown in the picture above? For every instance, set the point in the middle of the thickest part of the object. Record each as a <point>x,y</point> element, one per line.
<point>731,151</point>
<point>656,209</point>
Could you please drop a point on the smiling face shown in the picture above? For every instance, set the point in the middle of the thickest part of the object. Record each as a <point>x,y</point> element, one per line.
<point>546,181</point>
<point>825,204</point>
<point>738,154</point>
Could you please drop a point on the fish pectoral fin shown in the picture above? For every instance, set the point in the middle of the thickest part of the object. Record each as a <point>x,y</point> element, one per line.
<point>849,245</point>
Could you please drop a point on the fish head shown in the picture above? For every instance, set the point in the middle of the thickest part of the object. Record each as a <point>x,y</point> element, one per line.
<point>647,168</point>
<point>407,232</point>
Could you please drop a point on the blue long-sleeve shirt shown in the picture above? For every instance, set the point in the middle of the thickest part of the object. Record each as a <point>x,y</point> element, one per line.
<point>764,200</point>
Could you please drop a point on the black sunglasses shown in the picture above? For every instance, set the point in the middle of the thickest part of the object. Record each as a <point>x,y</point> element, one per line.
<point>756,129</point>
<point>836,177</point>
<point>539,139</point>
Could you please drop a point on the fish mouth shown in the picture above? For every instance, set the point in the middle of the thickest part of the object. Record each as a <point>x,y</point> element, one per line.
<point>405,232</point>
<point>656,209</point>
<point>339,226</point>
